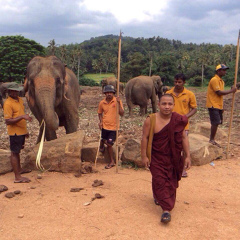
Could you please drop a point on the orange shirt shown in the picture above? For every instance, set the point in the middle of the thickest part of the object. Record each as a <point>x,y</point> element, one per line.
<point>12,109</point>
<point>214,100</point>
<point>184,102</point>
<point>109,113</point>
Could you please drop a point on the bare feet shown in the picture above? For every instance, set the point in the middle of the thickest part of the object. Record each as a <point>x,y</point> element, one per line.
<point>214,143</point>
<point>22,180</point>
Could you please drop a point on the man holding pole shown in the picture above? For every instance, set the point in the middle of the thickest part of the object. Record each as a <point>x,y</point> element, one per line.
<point>214,103</point>
<point>108,121</point>
<point>15,119</point>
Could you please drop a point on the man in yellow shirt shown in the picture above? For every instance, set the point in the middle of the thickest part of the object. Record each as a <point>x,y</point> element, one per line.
<point>107,114</point>
<point>15,118</point>
<point>214,103</point>
<point>185,101</point>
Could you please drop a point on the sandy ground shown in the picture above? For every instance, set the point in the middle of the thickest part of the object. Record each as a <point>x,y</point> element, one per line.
<point>207,206</point>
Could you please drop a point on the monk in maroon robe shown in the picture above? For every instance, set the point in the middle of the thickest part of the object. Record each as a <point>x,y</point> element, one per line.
<point>164,133</point>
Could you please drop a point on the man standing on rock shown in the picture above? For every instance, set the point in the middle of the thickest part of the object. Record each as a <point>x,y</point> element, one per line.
<point>15,118</point>
<point>214,103</point>
<point>107,113</point>
<point>185,102</point>
<point>163,140</point>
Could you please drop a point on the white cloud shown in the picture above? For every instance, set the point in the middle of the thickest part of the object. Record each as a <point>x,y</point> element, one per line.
<point>126,11</point>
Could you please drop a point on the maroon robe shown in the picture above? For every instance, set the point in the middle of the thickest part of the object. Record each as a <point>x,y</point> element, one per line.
<point>167,162</point>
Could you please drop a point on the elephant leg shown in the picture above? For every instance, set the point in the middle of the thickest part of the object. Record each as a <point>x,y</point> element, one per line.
<point>130,107</point>
<point>70,119</point>
<point>142,110</point>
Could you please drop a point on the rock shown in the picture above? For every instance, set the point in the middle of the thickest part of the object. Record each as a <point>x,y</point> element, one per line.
<point>39,176</point>
<point>20,216</point>
<point>132,153</point>
<point>9,195</point>
<point>3,188</point>
<point>203,128</point>
<point>17,192</point>
<point>97,183</point>
<point>5,165</point>
<point>87,168</point>
<point>77,175</point>
<point>60,155</point>
<point>89,152</point>
<point>98,195</point>
<point>201,151</point>
<point>76,189</point>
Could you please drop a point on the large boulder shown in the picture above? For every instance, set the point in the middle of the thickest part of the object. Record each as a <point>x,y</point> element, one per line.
<point>89,152</point>
<point>204,129</point>
<point>132,153</point>
<point>203,152</point>
<point>5,165</point>
<point>60,155</point>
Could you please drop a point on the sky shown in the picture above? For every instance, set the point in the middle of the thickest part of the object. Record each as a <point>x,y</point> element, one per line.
<point>74,21</point>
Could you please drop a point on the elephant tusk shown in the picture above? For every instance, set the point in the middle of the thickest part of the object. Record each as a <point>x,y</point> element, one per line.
<point>39,154</point>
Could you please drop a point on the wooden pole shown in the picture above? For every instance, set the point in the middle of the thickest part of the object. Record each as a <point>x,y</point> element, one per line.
<point>233,98</point>
<point>117,115</point>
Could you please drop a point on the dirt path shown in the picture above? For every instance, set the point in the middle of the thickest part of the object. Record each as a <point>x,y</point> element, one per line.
<point>207,206</point>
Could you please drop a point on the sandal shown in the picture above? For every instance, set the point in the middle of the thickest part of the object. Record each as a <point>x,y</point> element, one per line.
<point>109,166</point>
<point>166,217</point>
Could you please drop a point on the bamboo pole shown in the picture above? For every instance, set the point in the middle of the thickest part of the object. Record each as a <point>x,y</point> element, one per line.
<point>233,98</point>
<point>117,115</point>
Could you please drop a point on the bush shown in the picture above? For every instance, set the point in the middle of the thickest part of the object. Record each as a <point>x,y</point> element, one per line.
<point>195,81</point>
<point>87,82</point>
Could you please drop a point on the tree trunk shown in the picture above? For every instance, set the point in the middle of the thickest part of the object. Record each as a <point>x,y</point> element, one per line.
<point>202,73</point>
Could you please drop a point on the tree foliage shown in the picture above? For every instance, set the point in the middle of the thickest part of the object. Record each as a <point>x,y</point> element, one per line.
<point>139,56</point>
<point>15,53</point>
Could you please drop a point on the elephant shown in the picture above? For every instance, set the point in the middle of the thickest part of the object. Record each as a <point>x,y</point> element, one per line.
<point>140,89</point>
<point>112,81</point>
<point>53,95</point>
<point>4,87</point>
<point>165,89</point>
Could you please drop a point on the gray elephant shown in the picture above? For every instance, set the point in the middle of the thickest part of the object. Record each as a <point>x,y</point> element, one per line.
<point>53,95</point>
<point>112,81</point>
<point>140,89</point>
<point>4,87</point>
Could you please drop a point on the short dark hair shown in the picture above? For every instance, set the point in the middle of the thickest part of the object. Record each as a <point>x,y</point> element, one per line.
<point>180,76</point>
<point>166,95</point>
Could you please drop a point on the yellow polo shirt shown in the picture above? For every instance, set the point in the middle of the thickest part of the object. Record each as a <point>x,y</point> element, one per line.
<point>12,109</point>
<point>184,102</point>
<point>214,100</point>
<point>109,113</point>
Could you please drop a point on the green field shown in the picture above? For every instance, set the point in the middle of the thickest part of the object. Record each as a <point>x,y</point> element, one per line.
<point>97,77</point>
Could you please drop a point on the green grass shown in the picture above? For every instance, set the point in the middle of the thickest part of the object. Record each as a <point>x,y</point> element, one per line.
<point>97,77</point>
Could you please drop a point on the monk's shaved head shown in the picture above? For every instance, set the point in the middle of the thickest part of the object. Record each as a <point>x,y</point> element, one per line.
<point>166,95</point>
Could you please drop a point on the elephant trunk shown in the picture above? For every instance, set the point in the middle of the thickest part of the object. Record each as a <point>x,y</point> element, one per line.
<point>45,98</point>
